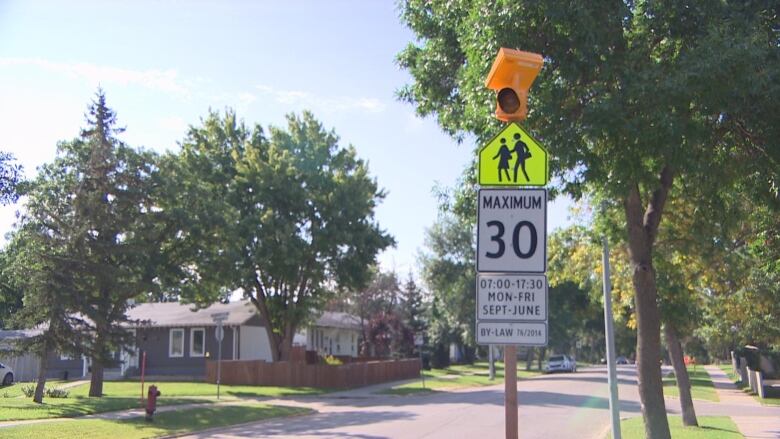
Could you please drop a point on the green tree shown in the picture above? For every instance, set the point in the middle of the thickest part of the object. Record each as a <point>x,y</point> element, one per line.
<point>413,305</point>
<point>449,274</point>
<point>633,96</point>
<point>10,294</point>
<point>31,267</point>
<point>10,178</point>
<point>286,219</point>
<point>96,203</point>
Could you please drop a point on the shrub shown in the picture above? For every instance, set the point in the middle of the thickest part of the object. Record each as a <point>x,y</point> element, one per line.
<point>57,393</point>
<point>28,390</point>
<point>330,360</point>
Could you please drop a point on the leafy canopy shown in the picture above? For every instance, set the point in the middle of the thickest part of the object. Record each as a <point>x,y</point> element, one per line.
<point>287,218</point>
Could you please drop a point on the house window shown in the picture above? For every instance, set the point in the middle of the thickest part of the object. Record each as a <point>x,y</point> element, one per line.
<point>176,342</point>
<point>197,342</point>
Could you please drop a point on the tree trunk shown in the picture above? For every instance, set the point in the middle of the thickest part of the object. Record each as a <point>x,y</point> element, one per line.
<point>529,358</point>
<point>642,229</point>
<point>285,344</point>
<point>681,374</point>
<point>542,353</point>
<point>42,366</point>
<point>96,381</point>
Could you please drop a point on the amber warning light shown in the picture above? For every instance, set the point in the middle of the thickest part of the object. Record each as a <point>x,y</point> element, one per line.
<point>511,76</point>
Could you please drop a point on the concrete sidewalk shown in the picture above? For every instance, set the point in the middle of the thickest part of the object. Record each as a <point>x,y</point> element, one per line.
<point>753,421</point>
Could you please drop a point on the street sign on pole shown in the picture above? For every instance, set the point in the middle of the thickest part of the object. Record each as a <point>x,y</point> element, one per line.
<point>511,297</point>
<point>512,226</point>
<point>512,231</point>
<point>220,316</point>
<point>219,333</point>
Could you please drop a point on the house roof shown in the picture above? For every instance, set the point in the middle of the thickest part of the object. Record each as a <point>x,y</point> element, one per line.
<point>179,314</point>
<point>342,320</point>
<point>7,336</point>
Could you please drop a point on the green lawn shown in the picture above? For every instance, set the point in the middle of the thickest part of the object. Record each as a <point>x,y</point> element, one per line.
<point>177,389</point>
<point>456,376</point>
<point>120,395</point>
<point>169,423</point>
<point>701,385</point>
<point>772,400</point>
<point>710,427</point>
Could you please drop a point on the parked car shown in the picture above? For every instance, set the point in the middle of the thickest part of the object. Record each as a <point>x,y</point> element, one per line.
<point>560,363</point>
<point>7,375</point>
<point>622,360</point>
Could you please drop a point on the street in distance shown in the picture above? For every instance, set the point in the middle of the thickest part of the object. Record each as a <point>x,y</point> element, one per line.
<point>511,297</point>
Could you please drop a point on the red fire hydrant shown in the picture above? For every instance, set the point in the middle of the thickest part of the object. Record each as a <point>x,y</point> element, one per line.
<point>151,402</point>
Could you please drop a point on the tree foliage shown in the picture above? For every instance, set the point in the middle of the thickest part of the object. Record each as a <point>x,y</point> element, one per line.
<point>449,274</point>
<point>633,95</point>
<point>92,220</point>
<point>10,178</point>
<point>287,218</point>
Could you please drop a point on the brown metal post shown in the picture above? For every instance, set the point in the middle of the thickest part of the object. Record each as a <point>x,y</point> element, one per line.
<point>510,390</point>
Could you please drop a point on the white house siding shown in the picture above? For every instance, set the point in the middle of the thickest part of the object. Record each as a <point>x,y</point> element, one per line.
<point>254,344</point>
<point>332,341</point>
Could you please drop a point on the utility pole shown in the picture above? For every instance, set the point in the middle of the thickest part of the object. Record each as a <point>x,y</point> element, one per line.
<point>614,402</point>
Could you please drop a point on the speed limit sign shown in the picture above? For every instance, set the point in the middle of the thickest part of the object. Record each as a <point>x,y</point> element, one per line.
<point>512,231</point>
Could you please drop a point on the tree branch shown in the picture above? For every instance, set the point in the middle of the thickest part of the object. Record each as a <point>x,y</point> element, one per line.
<point>655,208</point>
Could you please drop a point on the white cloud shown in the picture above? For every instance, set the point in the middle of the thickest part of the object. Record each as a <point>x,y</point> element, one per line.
<point>161,80</point>
<point>324,103</point>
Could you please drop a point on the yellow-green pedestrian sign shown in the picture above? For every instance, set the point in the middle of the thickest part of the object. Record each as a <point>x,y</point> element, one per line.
<point>513,158</point>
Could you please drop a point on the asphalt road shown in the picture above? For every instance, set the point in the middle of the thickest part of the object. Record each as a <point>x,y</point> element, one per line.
<point>550,406</point>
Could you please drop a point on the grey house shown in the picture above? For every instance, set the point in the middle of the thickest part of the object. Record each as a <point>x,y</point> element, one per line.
<point>178,339</point>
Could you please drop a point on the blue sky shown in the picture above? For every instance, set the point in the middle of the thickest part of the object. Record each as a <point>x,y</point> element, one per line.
<point>164,64</point>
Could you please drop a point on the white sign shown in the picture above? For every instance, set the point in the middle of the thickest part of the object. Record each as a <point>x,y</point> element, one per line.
<point>511,297</point>
<point>512,231</point>
<point>219,333</point>
<point>512,333</point>
<point>220,316</point>
<point>418,339</point>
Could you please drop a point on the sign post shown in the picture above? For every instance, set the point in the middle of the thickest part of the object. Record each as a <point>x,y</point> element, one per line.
<point>614,401</point>
<point>418,342</point>
<point>512,226</point>
<point>219,334</point>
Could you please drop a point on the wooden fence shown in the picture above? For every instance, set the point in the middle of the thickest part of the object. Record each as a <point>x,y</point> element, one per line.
<point>298,374</point>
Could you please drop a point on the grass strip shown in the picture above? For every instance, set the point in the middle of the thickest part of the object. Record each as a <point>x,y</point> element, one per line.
<point>454,377</point>
<point>710,427</point>
<point>122,395</point>
<point>167,423</point>
<point>701,385</point>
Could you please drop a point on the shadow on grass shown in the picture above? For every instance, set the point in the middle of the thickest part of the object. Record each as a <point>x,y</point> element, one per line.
<point>13,409</point>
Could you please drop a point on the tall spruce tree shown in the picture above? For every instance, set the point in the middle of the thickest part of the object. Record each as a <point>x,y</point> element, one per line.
<point>96,199</point>
<point>413,307</point>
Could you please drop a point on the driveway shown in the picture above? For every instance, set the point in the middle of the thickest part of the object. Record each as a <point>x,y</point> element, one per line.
<point>550,406</point>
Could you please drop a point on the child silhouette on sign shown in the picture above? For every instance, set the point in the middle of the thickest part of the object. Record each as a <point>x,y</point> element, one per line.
<point>503,156</point>
<point>522,151</point>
